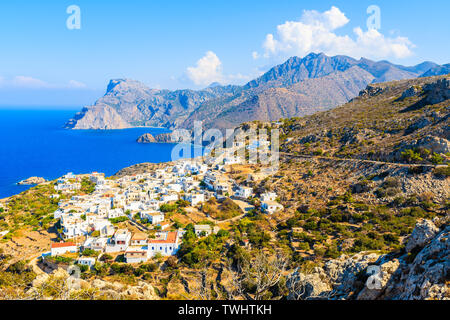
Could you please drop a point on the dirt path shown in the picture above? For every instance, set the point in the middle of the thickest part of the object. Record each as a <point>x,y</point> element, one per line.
<point>290,155</point>
<point>33,264</point>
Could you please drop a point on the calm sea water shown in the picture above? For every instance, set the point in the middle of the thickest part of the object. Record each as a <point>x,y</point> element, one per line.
<point>33,143</point>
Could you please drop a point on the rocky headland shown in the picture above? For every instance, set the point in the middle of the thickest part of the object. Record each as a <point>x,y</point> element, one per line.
<point>32,181</point>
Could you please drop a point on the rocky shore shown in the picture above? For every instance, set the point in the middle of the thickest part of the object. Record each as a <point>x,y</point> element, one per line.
<point>160,138</point>
<point>32,181</point>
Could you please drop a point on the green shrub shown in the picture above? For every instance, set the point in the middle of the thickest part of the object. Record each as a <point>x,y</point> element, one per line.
<point>442,172</point>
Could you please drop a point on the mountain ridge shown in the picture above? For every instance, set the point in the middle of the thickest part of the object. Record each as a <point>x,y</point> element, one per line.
<point>307,84</point>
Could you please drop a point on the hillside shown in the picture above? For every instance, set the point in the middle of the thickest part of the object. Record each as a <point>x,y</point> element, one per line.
<point>298,87</point>
<point>365,184</point>
<point>403,121</point>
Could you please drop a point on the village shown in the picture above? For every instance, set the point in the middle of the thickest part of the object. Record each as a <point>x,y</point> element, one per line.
<point>88,221</point>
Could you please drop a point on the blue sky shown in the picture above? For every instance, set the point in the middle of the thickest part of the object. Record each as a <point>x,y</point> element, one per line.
<point>188,44</point>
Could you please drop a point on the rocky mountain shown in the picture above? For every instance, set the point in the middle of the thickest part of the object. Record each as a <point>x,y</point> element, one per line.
<point>129,103</point>
<point>437,71</point>
<point>270,102</point>
<point>404,121</point>
<point>298,87</point>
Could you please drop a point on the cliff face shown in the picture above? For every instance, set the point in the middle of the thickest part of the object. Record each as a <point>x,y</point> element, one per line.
<point>298,87</point>
<point>98,117</point>
<point>129,103</point>
<point>421,273</point>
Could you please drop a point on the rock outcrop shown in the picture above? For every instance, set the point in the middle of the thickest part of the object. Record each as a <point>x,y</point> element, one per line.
<point>424,231</point>
<point>438,91</point>
<point>146,138</point>
<point>65,287</point>
<point>32,181</point>
<point>412,276</point>
<point>173,137</point>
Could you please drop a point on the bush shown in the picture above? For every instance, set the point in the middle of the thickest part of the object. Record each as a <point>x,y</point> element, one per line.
<point>118,220</point>
<point>437,158</point>
<point>168,208</point>
<point>391,182</point>
<point>318,152</point>
<point>411,156</point>
<point>106,257</point>
<point>442,172</point>
<point>18,267</point>
<point>172,262</point>
<point>89,253</point>
<point>361,187</point>
<point>87,186</point>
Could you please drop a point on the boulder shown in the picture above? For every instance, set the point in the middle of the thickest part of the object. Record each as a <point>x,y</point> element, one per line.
<point>410,92</point>
<point>422,233</point>
<point>307,286</point>
<point>435,144</point>
<point>438,91</point>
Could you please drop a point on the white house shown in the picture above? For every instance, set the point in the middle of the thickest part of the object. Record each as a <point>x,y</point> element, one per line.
<point>153,217</point>
<point>244,192</point>
<point>203,230</point>
<point>96,177</point>
<point>195,198</point>
<point>119,241</point>
<point>68,186</point>
<point>169,197</point>
<point>97,244</point>
<point>139,239</point>
<point>115,213</point>
<point>73,226</point>
<point>271,207</point>
<point>119,200</point>
<point>268,196</point>
<point>167,244</point>
<point>136,254</point>
<point>61,248</point>
<point>86,261</point>
<point>222,187</point>
<point>70,175</point>
<point>175,187</point>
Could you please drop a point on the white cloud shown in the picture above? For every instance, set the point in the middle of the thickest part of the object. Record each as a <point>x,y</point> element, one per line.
<point>27,82</point>
<point>77,84</point>
<point>209,70</point>
<point>315,32</point>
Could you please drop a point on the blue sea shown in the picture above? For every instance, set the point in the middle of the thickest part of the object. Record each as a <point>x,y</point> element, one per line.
<point>34,143</point>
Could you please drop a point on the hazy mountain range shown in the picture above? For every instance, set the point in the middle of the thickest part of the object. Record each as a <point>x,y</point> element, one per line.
<point>298,87</point>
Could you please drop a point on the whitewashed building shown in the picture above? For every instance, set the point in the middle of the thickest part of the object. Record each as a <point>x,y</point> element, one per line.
<point>60,248</point>
<point>167,244</point>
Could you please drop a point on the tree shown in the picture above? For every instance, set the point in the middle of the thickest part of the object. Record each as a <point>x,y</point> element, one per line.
<point>259,274</point>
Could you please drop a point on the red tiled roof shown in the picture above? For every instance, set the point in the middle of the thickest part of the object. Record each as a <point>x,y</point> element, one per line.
<point>63,245</point>
<point>171,238</point>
